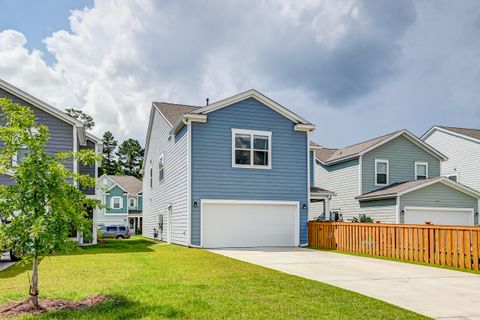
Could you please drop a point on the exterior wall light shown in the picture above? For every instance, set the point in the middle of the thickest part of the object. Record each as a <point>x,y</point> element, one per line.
<point>195,204</point>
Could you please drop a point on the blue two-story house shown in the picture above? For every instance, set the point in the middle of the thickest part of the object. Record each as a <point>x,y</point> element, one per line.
<point>234,173</point>
<point>395,178</point>
<point>66,135</point>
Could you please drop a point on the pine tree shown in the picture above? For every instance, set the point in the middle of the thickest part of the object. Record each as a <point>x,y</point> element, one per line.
<point>130,158</point>
<point>109,165</point>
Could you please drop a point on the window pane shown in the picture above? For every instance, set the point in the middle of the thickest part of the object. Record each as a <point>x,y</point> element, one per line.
<point>242,157</point>
<point>242,141</point>
<point>381,178</point>
<point>421,170</point>
<point>22,153</point>
<point>260,143</point>
<point>453,178</point>
<point>260,158</point>
<point>381,167</point>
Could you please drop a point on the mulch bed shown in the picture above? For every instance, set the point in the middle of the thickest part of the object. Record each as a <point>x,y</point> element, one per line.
<point>26,307</point>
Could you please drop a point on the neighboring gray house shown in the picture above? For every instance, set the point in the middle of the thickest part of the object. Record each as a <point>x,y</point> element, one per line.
<point>234,173</point>
<point>394,178</point>
<point>462,147</point>
<point>66,134</point>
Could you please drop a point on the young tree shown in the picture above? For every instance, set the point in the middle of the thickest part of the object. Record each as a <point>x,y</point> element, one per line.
<point>43,204</point>
<point>109,165</point>
<point>82,116</point>
<point>130,157</point>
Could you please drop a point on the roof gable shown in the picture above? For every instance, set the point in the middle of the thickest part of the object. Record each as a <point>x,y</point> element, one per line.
<point>259,97</point>
<point>330,157</point>
<point>401,188</point>
<point>129,184</point>
<point>465,133</point>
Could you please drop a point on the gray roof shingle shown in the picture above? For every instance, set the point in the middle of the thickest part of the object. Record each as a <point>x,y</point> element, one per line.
<point>395,188</point>
<point>173,112</point>
<point>472,133</point>
<point>131,184</point>
<point>331,154</point>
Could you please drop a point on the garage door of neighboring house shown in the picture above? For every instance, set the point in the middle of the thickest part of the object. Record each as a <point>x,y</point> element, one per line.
<point>442,216</point>
<point>245,223</point>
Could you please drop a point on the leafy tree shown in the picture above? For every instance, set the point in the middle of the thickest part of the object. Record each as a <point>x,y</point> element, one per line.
<point>109,164</point>
<point>82,116</point>
<point>42,206</point>
<point>130,158</point>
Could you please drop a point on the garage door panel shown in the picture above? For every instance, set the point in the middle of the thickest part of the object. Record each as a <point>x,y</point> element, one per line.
<point>248,225</point>
<point>439,216</point>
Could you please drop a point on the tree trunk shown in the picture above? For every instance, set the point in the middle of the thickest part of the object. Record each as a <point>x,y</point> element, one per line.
<point>34,283</point>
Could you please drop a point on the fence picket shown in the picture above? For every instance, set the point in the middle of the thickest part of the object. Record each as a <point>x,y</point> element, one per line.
<point>444,245</point>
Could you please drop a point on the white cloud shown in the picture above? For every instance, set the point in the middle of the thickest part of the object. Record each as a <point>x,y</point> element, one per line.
<point>335,60</point>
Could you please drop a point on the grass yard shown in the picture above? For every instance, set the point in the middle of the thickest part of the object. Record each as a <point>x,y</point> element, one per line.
<point>156,281</point>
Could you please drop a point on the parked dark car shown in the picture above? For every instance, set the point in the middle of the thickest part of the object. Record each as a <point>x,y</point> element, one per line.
<point>117,232</point>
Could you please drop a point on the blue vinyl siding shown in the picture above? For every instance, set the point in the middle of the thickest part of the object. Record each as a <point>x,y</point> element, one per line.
<point>214,178</point>
<point>61,133</point>
<point>116,192</point>
<point>401,154</point>
<point>87,169</point>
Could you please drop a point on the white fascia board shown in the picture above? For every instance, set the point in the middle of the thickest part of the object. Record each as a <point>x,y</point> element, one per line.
<point>252,93</point>
<point>39,104</point>
<point>420,143</point>
<point>304,127</point>
<point>149,130</point>
<point>188,117</point>
<point>455,185</point>
<point>455,134</point>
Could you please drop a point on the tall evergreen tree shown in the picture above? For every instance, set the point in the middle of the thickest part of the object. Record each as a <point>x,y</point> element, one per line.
<point>130,158</point>
<point>82,116</point>
<point>109,164</point>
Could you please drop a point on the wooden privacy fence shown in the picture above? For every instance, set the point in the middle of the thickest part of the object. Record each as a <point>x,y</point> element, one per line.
<point>455,246</point>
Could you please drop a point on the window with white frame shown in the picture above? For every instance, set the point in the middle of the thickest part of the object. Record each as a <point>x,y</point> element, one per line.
<point>251,149</point>
<point>116,203</point>
<point>381,172</point>
<point>421,170</point>
<point>21,154</point>
<point>161,169</point>
<point>132,202</point>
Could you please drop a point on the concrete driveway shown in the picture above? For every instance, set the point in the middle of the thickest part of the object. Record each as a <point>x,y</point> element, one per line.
<point>434,292</point>
<point>5,262</point>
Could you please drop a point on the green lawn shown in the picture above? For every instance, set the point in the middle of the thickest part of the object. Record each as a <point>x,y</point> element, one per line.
<point>155,281</point>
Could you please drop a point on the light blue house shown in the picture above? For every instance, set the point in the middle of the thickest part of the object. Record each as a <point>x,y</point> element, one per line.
<point>234,173</point>
<point>122,200</point>
<point>395,178</point>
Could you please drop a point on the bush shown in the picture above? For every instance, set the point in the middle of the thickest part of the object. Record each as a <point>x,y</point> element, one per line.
<point>366,219</point>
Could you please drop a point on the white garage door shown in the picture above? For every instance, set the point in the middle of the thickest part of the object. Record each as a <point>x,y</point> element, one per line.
<point>442,216</point>
<point>229,223</point>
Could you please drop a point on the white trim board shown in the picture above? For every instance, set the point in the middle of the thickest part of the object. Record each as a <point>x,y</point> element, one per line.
<point>252,93</point>
<point>387,172</point>
<point>456,134</point>
<point>421,163</point>
<point>252,134</point>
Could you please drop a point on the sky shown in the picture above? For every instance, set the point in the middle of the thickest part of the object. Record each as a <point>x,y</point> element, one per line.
<point>357,69</point>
